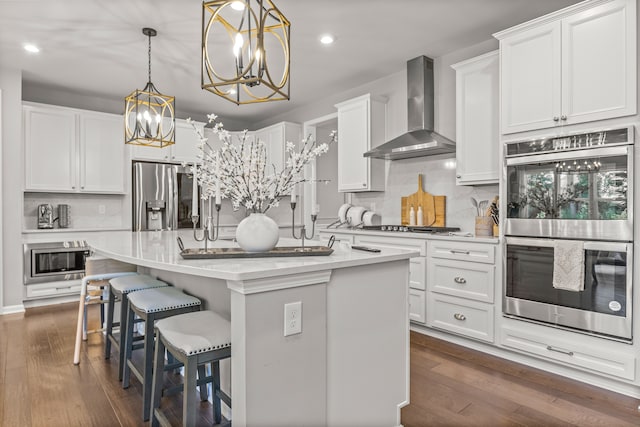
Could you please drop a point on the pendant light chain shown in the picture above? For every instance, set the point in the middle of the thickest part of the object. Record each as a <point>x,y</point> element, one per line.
<point>149,57</point>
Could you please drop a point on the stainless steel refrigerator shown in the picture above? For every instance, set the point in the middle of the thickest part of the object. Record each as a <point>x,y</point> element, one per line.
<point>162,195</point>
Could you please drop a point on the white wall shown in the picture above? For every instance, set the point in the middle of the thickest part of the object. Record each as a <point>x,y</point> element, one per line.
<point>12,176</point>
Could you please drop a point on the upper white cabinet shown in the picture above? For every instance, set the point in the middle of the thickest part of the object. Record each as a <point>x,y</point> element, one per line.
<point>574,66</point>
<point>361,124</point>
<point>185,149</point>
<point>275,138</point>
<point>68,150</point>
<point>102,153</point>
<point>477,135</point>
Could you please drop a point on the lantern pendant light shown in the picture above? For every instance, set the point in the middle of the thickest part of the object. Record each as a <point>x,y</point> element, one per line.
<point>149,115</point>
<point>245,51</point>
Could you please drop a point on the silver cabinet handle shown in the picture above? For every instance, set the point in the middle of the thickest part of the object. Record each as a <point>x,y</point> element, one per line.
<point>458,176</point>
<point>563,117</point>
<point>458,251</point>
<point>58,288</point>
<point>460,316</point>
<point>559,350</point>
<point>460,280</point>
<point>73,187</point>
<point>556,118</point>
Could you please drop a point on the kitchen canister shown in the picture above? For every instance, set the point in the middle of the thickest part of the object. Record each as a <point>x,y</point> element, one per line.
<point>63,216</point>
<point>484,226</point>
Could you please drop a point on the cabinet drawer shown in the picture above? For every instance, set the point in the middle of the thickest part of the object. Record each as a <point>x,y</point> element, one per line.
<point>393,243</point>
<point>53,289</point>
<point>602,358</point>
<point>463,279</point>
<point>417,277</point>
<point>469,318</point>
<point>463,251</point>
<point>416,306</point>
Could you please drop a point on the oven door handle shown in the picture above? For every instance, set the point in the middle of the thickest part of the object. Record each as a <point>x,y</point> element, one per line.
<point>569,155</point>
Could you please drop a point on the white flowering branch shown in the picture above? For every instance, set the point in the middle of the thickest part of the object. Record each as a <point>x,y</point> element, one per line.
<point>241,171</point>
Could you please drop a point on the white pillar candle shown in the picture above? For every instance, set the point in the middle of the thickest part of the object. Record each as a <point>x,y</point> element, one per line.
<point>314,188</point>
<point>294,195</point>
<point>218,176</point>
<point>194,196</point>
<point>210,207</point>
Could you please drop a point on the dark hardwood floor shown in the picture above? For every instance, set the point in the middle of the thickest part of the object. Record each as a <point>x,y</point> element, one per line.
<point>450,385</point>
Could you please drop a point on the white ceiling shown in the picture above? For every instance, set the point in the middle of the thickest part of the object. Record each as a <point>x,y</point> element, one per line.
<point>97,47</point>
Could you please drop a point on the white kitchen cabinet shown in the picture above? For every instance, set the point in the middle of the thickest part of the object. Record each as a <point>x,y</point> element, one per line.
<point>275,138</point>
<point>102,153</point>
<point>477,112</point>
<point>361,127</point>
<point>573,66</point>
<point>185,149</point>
<point>417,274</point>
<point>461,288</point>
<point>592,354</point>
<point>68,150</point>
<point>50,144</point>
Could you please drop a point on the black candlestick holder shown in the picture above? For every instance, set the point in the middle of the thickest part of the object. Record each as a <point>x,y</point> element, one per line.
<point>303,231</point>
<point>209,233</point>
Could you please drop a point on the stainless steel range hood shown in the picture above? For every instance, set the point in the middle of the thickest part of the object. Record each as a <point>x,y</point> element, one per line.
<point>420,140</point>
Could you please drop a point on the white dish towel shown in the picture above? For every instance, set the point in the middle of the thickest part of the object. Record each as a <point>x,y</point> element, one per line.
<point>568,265</point>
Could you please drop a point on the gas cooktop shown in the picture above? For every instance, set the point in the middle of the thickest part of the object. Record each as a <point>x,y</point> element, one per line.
<point>411,228</point>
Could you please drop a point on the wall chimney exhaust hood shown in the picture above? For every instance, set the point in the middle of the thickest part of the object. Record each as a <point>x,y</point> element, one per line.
<point>420,140</point>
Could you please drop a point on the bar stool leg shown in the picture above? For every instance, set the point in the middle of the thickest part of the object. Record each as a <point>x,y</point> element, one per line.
<point>190,381</point>
<point>110,310</point>
<point>202,373</point>
<point>124,311</point>
<point>158,371</point>
<point>128,347</point>
<point>147,368</point>
<point>79,327</point>
<point>217,410</point>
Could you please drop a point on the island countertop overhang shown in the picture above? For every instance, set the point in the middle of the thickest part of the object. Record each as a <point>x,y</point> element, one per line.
<point>159,249</point>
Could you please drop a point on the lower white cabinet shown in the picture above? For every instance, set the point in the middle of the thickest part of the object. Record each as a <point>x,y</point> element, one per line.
<point>417,307</point>
<point>53,289</point>
<point>461,316</point>
<point>461,287</point>
<point>417,273</point>
<point>575,350</point>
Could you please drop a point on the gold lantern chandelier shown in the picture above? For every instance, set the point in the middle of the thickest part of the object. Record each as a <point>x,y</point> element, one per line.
<point>149,115</point>
<point>245,51</point>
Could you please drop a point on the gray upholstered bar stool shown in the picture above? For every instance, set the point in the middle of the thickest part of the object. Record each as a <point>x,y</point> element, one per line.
<point>119,289</point>
<point>151,305</point>
<point>195,339</point>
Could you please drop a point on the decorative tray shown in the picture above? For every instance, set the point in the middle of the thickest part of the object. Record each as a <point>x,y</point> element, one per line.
<point>280,251</point>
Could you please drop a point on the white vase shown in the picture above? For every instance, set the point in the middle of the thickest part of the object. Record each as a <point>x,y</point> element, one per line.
<point>257,233</point>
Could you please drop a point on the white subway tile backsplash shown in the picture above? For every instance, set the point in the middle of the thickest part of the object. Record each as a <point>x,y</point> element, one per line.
<point>439,178</point>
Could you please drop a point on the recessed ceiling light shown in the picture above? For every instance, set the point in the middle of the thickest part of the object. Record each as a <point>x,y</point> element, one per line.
<point>31,48</point>
<point>327,39</point>
<point>237,5</point>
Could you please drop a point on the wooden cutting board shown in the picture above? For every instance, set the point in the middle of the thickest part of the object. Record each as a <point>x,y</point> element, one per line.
<point>433,207</point>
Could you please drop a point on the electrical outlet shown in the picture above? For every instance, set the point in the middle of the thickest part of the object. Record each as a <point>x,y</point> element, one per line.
<point>293,318</point>
<point>102,209</point>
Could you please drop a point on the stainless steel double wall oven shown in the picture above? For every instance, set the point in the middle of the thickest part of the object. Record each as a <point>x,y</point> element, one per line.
<point>571,187</point>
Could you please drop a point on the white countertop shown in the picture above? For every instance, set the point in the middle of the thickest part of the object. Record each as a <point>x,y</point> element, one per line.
<point>423,236</point>
<point>159,249</point>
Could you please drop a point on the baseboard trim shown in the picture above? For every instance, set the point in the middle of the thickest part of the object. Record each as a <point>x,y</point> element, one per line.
<point>50,301</point>
<point>12,309</point>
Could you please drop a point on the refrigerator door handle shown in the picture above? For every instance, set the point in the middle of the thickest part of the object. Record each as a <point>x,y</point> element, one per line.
<point>173,204</point>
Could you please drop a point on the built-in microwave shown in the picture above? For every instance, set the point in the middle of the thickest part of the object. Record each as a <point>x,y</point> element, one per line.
<point>54,261</point>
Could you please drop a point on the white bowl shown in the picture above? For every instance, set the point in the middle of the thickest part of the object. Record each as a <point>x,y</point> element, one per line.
<point>342,212</point>
<point>371,218</point>
<point>354,216</point>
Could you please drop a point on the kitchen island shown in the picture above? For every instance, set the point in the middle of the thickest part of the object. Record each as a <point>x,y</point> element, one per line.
<point>350,363</point>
